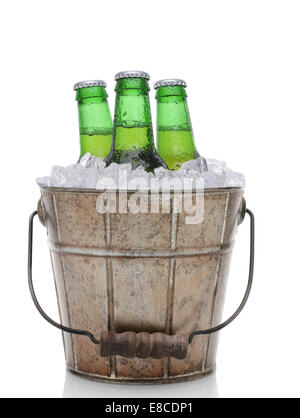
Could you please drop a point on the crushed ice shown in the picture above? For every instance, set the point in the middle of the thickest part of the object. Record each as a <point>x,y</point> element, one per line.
<point>87,172</point>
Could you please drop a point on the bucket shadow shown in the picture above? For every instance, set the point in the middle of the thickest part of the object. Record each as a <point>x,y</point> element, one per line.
<point>78,387</point>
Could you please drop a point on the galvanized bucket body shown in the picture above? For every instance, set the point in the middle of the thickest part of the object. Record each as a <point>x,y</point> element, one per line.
<point>139,272</point>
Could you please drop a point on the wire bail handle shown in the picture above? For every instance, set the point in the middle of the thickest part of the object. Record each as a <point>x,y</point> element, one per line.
<point>142,344</point>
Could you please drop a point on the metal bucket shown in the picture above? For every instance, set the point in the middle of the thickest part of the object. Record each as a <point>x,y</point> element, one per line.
<point>151,280</point>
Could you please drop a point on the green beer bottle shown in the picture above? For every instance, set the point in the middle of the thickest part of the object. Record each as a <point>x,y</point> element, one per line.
<point>175,139</point>
<point>133,134</point>
<point>95,123</point>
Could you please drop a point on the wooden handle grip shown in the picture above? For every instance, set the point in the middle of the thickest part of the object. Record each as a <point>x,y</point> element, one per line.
<point>143,344</point>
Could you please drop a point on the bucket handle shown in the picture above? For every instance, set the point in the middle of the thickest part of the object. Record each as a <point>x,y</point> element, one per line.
<point>143,344</point>
<point>249,285</point>
<point>33,295</point>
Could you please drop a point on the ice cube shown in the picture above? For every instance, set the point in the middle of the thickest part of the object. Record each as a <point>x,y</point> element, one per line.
<point>84,159</point>
<point>95,162</point>
<point>216,166</point>
<point>160,172</point>
<point>212,180</point>
<point>43,181</point>
<point>234,179</point>
<point>198,165</point>
<point>202,164</point>
<point>57,176</point>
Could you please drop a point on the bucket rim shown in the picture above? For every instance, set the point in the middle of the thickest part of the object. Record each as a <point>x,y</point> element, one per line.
<point>212,190</point>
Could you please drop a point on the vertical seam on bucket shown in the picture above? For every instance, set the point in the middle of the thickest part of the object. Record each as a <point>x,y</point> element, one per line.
<point>217,276</point>
<point>109,289</point>
<point>43,206</point>
<point>171,282</point>
<point>64,278</point>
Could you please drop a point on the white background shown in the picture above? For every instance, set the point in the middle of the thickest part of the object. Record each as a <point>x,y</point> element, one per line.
<point>242,65</point>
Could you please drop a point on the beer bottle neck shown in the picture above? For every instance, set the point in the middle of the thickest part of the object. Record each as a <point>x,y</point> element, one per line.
<point>132,103</point>
<point>172,109</point>
<point>93,111</point>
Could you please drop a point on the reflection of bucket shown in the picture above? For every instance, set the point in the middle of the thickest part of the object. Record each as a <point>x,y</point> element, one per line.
<point>139,272</point>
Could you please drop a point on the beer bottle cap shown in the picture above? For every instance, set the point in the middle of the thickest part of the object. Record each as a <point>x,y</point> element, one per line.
<point>89,83</point>
<point>170,82</point>
<point>132,74</point>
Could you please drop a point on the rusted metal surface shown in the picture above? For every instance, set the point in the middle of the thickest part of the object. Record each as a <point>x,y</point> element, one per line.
<point>147,380</point>
<point>41,212</point>
<point>143,344</point>
<point>142,273</point>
